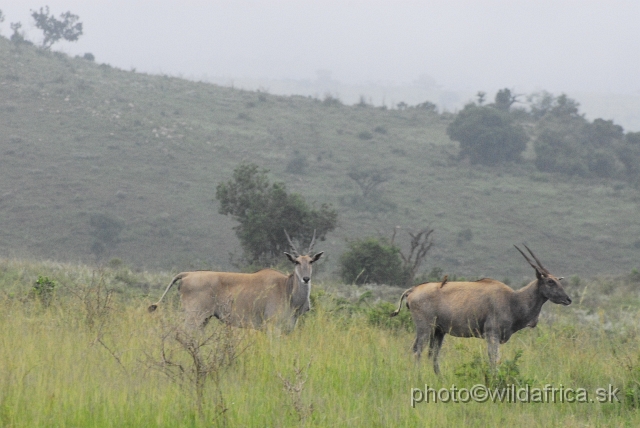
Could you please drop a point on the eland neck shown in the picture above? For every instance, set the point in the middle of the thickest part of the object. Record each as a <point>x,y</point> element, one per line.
<point>299,290</point>
<point>529,302</point>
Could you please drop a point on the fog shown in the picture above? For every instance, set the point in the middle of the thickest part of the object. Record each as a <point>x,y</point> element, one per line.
<point>386,51</point>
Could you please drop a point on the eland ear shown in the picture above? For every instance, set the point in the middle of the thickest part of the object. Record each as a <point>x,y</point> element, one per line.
<point>317,256</point>
<point>291,258</point>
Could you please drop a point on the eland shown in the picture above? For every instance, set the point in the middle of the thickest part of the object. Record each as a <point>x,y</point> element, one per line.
<point>485,308</point>
<point>247,299</point>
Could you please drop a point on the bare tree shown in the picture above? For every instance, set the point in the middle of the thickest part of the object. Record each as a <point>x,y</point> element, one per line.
<point>481,97</point>
<point>369,179</point>
<point>419,246</point>
<point>294,388</point>
<point>193,358</point>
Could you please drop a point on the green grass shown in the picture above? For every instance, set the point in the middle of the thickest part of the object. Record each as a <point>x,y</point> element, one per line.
<point>80,138</point>
<point>57,369</point>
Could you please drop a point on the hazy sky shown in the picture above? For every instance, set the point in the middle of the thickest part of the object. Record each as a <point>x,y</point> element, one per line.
<point>556,45</point>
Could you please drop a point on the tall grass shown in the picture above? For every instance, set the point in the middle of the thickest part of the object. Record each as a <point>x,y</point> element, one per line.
<point>337,368</point>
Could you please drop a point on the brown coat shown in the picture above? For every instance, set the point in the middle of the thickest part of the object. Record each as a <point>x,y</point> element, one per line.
<point>246,299</point>
<point>241,299</point>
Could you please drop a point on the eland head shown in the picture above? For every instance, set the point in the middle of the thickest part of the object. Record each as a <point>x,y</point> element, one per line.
<point>303,269</point>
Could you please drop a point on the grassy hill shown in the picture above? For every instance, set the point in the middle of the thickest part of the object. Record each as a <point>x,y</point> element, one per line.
<point>80,139</point>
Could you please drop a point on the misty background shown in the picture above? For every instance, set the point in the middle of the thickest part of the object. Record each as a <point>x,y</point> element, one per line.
<point>385,52</point>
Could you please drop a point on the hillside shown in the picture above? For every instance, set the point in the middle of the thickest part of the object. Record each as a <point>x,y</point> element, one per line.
<point>79,139</point>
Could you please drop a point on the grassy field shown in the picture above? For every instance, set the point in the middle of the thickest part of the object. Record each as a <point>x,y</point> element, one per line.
<point>92,356</point>
<point>81,139</point>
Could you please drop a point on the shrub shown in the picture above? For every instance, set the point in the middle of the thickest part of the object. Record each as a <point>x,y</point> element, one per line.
<point>43,290</point>
<point>18,36</point>
<point>568,143</point>
<point>464,236</point>
<point>298,164</point>
<point>105,230</point>
<point>507,373</point>
<point>378,316</point>
<point>487,135</point>
<point>428,106</point>
<point>330,100</point>
<point>372,260</point>
<point>263,210</point>
<point>365,135</point>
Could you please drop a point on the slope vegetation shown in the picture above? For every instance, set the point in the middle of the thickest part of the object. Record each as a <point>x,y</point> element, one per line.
<point>90,153</point>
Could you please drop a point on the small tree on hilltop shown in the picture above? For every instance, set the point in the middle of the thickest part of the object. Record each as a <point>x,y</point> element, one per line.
<point>67,27</point>
<point>18,36</point>
<point>505,99</point>
<point>265,210</point>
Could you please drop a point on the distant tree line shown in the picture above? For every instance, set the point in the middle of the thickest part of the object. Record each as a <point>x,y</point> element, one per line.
<point>564,141</point>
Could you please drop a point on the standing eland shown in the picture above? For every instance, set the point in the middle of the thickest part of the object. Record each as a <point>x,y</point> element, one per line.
<point>485,308</point>
<point>247,299</point>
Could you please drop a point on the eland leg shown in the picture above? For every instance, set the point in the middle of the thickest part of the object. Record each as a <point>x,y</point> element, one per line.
<point>434,349</point>
<point>422,336</point>
<point>493,348</point>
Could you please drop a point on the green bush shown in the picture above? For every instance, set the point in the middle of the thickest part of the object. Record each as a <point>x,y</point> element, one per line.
<point>487,135</point>
<point>568,143</point>
<point>375,314</point>
<point>43,290</point>
<point>298,163</point>
<point>365,135</point>
<point>264,210</point>
<point>379,316</point>
<point>105,230</point>
<point>372,260</point>
<point>631,387</point>
<point>507,373</point>
<point>558,151</point>
<point>464,236</point>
